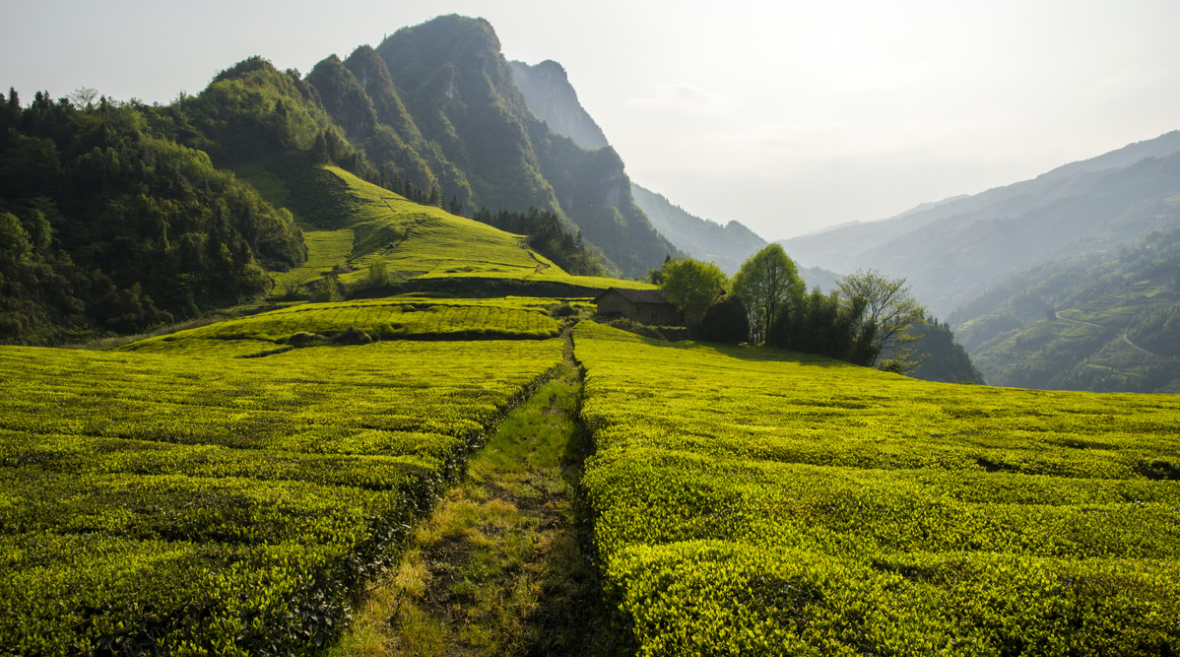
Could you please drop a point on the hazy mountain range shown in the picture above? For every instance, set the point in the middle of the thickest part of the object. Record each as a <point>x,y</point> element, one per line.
<point>1070,280</point>
<point>953,250</point>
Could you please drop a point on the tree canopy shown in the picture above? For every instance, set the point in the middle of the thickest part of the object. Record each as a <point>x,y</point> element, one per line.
<point>691,285</point>
<point>767,282</point>
<point>726,320</point>
<point>108,224</point>
<point>889,306</point>
<point>547,235</point>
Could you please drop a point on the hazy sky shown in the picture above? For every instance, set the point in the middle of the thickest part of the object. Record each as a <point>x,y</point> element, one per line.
<point>787,116</point>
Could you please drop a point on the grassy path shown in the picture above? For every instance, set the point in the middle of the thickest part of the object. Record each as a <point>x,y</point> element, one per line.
<point>497,569</point>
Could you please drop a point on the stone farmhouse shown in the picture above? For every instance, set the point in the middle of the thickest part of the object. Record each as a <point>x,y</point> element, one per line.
<point>644,306</point>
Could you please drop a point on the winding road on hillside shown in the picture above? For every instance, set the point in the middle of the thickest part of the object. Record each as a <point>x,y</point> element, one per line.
<point>1126,337</point>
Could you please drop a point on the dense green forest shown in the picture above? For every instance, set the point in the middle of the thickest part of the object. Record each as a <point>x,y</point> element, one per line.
<point>108,224</point>
<point>940,357</point>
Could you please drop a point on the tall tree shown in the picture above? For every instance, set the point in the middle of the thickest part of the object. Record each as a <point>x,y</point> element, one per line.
<point>889,306</point>
<point>691,285</point>
<point>768,282</point>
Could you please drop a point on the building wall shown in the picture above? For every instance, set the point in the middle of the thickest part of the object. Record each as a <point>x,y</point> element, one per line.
<point>656,314</point>
<point>615,303</point>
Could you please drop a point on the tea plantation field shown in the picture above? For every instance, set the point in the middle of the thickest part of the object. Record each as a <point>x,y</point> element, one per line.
<point>408,317</point>
<point>192,503</point>
<point>420,241</point>
<point>754,501</point>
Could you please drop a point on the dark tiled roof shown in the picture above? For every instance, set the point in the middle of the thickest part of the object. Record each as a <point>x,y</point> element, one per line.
<point>636,296</point>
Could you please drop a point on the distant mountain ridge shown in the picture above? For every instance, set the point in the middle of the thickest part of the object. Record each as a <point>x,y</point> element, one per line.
<point>1105,321</point>
<point>726,246</point>
<point>956,249</point>
<point>551,96</point>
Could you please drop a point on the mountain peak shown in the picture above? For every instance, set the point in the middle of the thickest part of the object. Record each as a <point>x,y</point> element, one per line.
<point>552,98</point>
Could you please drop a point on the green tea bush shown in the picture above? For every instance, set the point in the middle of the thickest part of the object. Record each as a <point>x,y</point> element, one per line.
<point>760,501</point>
<point>194,503</point>
<point>392,318</point>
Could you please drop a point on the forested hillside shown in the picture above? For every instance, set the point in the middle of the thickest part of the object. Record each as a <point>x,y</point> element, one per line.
<point>108,224</point>
<point>1105,321</point>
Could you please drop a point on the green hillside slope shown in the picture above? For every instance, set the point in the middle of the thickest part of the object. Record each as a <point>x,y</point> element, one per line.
<point>418,242</point>
<point>1099,322</point>
<point>760,502</point>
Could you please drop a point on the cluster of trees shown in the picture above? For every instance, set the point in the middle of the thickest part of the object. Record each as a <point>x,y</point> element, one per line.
<point>107,224</point>
<point>941,358</point>
<point>412,192</point>
<point>868,320</point>
<point>547,236</point>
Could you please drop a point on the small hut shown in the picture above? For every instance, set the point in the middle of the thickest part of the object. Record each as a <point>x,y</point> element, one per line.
<point>643,306</point>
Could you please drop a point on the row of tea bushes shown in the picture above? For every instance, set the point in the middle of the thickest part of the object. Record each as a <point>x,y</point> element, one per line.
<point>176,504</point>
<point>386,319</point>
<point>756,501</point>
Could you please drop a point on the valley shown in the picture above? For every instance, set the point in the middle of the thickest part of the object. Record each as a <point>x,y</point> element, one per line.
<point>383,464</point>
<point>316,365</point>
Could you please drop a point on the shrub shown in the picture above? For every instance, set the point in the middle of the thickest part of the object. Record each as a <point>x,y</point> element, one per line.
<point>726,320</point>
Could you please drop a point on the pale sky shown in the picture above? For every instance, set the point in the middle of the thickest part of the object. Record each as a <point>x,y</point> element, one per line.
<point>787,116</point>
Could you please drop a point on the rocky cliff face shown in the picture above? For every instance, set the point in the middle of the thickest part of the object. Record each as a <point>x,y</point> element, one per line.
<point>461,92</point>
<point>550,96</point>
<point>344,98</point>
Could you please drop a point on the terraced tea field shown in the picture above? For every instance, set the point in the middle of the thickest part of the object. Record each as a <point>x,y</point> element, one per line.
<point>185,504</point>
<point>420,241</point>
<point>404,317</point>
<point>761,502</point>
